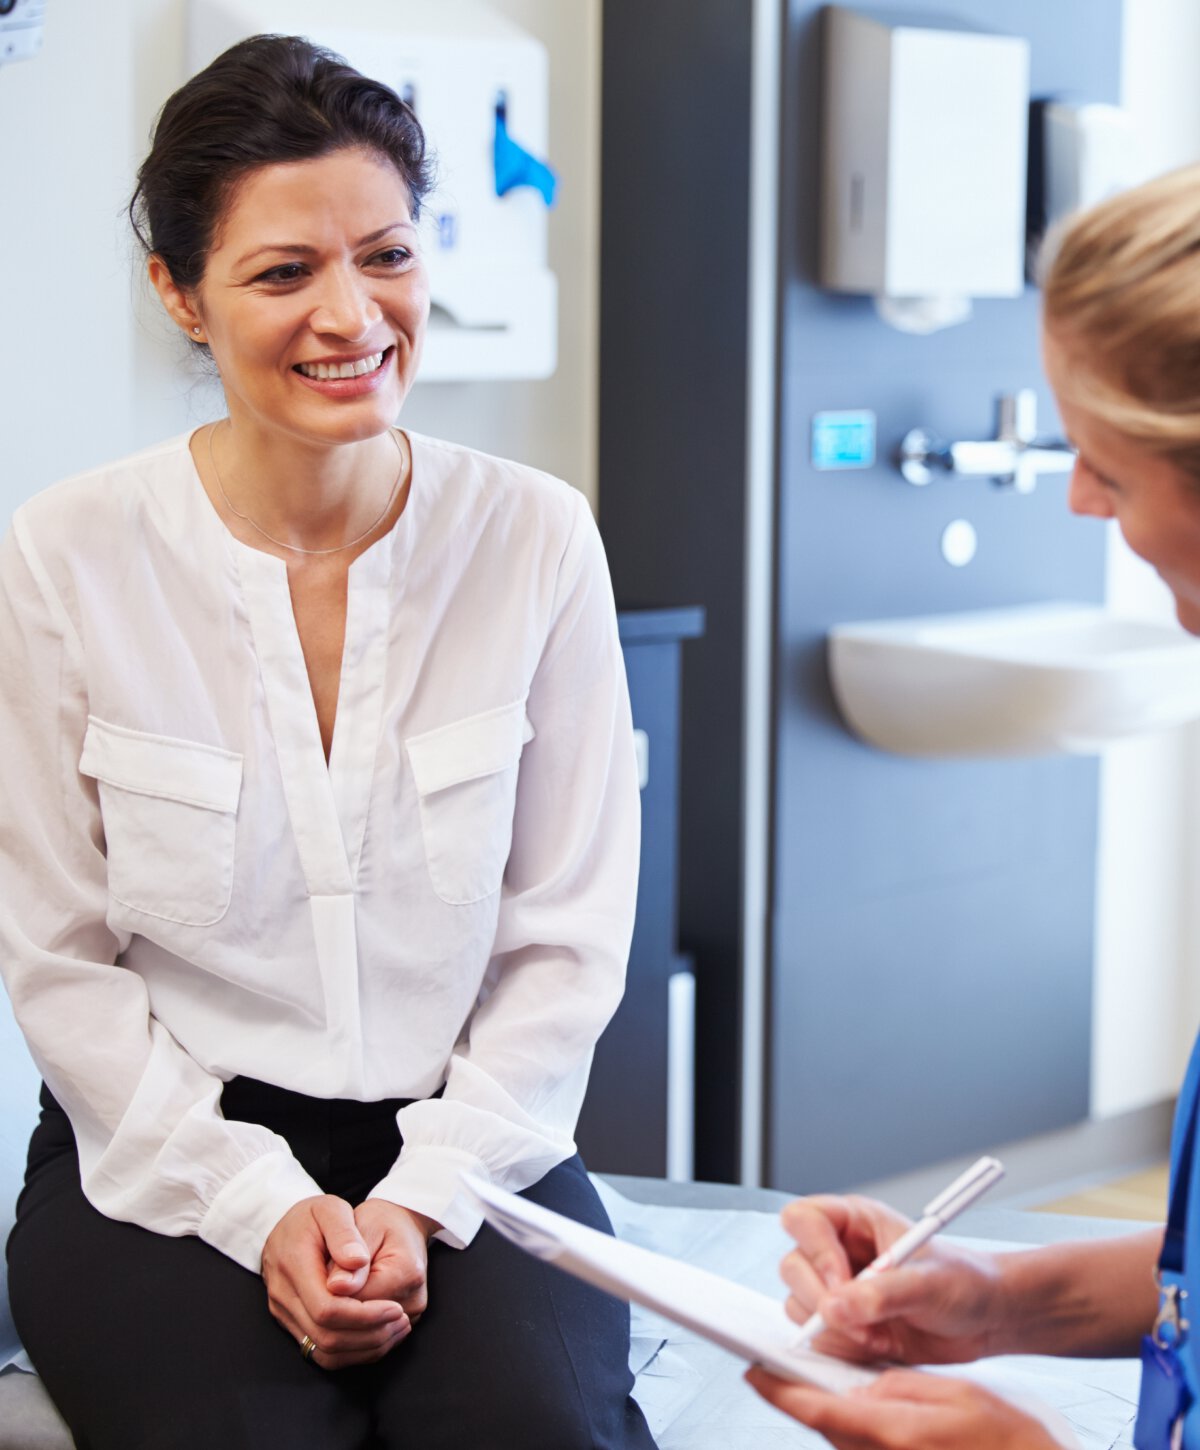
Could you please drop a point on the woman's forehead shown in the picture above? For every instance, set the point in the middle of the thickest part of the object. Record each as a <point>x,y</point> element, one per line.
<point>348,186</point>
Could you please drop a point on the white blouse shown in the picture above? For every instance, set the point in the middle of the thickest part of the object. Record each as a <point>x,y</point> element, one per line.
<point>190,893</point>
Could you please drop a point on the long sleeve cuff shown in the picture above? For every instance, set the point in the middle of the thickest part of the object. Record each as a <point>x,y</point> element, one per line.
<point>240,1218</point>
<point>428,1181</point>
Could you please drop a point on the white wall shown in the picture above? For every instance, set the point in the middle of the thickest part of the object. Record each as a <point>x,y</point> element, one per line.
<point>1148,947</point>
<point>64,325</point>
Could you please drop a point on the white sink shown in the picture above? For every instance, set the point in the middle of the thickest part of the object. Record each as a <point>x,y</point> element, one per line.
<point>1029,680</point>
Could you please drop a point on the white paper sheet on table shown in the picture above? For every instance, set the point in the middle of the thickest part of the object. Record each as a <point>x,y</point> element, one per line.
<point>1085,1409</point>
<point>693,1394</point>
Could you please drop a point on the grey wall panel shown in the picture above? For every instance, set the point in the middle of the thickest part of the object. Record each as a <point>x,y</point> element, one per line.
<point>912,901</point>
<point>923,1033</point>
<point>932,933</point>
<point>674,192</point>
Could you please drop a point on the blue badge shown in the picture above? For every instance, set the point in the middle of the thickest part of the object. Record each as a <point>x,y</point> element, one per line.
<point>1164,1399</point>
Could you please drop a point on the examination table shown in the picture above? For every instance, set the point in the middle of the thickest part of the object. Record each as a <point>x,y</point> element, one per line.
<point>692,1392</point>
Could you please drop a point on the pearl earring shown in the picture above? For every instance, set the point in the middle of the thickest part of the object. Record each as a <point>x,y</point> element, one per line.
<point>196,330</point>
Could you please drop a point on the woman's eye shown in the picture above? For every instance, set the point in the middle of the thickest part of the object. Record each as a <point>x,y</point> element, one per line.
<point>393,257</point>
<point>285,272</point>
<point>1109,485</point>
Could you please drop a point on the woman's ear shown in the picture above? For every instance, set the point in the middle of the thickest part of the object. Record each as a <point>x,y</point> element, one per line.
<point>178,303</point>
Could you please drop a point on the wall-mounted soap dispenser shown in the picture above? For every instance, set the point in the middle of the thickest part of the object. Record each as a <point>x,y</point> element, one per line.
<point>924,155</point>
<point>479,86</point>
<point>1089,153</point>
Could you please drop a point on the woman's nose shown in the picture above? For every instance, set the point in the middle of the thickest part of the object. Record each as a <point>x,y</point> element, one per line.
<point>345,307</point>
<point>1086,495</point>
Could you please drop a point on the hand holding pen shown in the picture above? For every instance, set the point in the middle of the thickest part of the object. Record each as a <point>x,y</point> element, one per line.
<point>853,1258</point>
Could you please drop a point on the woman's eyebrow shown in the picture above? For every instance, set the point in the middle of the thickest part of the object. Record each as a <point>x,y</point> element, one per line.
<point>300,249</point>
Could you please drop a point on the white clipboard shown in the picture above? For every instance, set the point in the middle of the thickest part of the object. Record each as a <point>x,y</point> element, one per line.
<point>741,1320</point>
<point>748,1324</point>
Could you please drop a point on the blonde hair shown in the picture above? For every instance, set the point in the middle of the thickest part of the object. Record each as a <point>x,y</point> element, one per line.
<point>1121,299</point>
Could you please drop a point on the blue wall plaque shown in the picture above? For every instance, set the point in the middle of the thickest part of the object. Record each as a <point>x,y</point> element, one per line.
<point>843,440</point>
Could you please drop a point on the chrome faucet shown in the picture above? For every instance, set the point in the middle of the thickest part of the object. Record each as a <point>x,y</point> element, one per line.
<point>1015,457</point>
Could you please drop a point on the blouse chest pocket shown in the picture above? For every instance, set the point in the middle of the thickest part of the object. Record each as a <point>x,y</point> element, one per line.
<point>170,814</point>
<point>466,779</point>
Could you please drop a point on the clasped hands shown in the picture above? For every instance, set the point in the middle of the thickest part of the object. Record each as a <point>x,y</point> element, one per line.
<point>351,1279</point>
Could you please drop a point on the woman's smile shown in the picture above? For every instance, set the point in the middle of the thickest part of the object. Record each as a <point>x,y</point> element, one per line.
<point>348,377</point>
<point>342,368</point>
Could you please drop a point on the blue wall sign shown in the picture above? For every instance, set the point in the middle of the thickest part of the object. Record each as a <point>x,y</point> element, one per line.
<point>843,440</point>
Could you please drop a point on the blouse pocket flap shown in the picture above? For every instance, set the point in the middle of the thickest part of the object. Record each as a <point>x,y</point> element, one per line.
<point>158,765</point>
<point>467,749</point>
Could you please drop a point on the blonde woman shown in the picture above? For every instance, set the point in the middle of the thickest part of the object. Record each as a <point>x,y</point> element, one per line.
<point>1121,335</point>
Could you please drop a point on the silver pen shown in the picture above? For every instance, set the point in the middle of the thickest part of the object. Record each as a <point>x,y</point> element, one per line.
<point>961,1194</point>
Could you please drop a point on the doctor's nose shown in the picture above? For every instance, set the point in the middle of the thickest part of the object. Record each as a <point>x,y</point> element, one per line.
<point>345,308</point>
<point>1086,495</point>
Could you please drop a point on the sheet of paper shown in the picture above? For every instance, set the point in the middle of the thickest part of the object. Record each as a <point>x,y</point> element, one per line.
<point>741,1320</point>
<point>1097,1397</point>
<point>744,1321</point>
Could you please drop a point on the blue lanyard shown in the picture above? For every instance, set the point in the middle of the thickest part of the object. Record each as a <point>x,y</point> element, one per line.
<point>1174,1249</point>
<point>1165,1395</point>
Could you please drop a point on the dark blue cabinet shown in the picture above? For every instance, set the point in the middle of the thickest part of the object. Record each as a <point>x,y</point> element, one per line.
<point>624,1124</point>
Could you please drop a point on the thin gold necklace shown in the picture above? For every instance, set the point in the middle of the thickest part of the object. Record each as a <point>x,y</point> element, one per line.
<point>296,548</point>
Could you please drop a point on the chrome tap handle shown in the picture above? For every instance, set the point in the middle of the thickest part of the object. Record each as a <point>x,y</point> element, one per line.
<point>1041,458</point>
<point>1016,416</point>
<point>996,459</point>
<point>920,453</point>
<point>1014,458</point>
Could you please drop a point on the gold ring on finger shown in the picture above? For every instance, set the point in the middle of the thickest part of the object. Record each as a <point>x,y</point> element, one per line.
<point>307,1346</point>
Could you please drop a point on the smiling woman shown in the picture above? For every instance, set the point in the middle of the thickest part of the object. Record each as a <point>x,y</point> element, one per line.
<point>317,341</point>
<point>327,865</point>
<point>333,312</point>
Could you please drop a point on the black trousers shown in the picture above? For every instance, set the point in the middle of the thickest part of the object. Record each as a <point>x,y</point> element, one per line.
<point>147,1342</point>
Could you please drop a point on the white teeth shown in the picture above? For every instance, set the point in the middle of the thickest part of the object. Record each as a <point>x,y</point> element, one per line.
<point>323,371</point>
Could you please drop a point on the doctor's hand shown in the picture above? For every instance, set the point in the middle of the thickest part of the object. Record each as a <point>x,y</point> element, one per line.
<point>907,1410</point>
<point>315,1242</point>
<point>941,1307</point>
<point>398,1242</point>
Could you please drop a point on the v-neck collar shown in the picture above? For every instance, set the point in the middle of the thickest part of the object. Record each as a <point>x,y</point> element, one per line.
<point>327,802</point>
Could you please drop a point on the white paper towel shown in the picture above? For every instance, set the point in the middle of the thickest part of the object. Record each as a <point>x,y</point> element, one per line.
<point>923,314</point>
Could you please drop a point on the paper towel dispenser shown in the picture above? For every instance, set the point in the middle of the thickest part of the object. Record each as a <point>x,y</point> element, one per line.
<point>21,23</point>
<point>480,88</point>
<point>924,158</point>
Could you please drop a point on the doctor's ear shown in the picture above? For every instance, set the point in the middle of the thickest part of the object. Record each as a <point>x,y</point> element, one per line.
<point>179,304</point>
